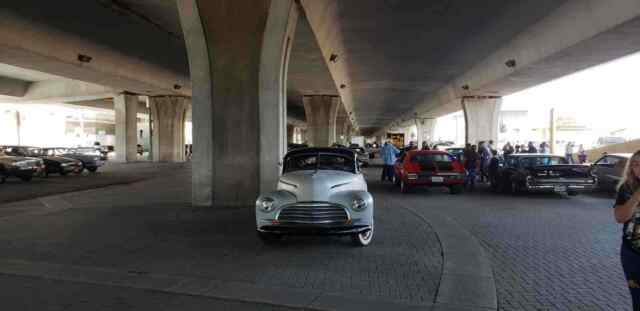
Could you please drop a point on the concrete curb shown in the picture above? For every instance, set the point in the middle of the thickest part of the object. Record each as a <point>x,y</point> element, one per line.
<point>467,281</point>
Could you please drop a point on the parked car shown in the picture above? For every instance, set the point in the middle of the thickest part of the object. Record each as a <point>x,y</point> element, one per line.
<point>429,168</point>
<point>52,164</point>
<point>609,169</point>
<point>539,172</point>
<point>20,167</point>
<point>362,155</point>
<point>321,191</point>
<point>89,158</point>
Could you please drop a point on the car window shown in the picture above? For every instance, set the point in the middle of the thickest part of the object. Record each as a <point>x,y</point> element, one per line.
<point>424,158</point>
<point>321,161</point>
<point>511,162</point>
<point>540,161</point>
<point>608,160</point>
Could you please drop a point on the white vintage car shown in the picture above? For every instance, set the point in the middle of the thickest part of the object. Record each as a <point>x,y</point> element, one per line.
<point>321,191</point>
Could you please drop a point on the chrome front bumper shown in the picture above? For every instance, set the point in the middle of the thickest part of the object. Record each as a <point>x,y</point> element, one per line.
<point>314,218</point>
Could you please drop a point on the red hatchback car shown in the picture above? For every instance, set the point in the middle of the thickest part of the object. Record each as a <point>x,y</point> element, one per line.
<point>430,168</point>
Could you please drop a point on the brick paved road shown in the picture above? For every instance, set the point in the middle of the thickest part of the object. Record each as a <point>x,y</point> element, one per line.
<point>549,252</point>
<point>35,294</point>
<point>148,228</point>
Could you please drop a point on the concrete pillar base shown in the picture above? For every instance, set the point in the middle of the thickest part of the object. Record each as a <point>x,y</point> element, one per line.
<point>168,114</point>
<point>481,118</point>
<point>321,112</point>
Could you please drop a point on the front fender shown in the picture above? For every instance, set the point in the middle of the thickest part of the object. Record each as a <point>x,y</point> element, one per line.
<point>280,198</point>
<point>346,199</point>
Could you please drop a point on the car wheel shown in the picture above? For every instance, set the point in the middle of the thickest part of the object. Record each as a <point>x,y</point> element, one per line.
<point>364,238</point>
<point>268,238</point>
<point>26,178</point>
<point>455,189</point>
<point>572,193</point>
<point>404,188</point>
<point>3,179</point>
<point>63,173</point>
<point>92,169</point>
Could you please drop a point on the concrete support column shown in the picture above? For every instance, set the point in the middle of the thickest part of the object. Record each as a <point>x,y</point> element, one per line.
<point>481,116</point>
<point>425,130</point>
<point>291,131</point>
<point>126,110</point>
<point>304,139</point>
<point>238,54</point>
<point>348,133</point>
<point>321,112</point>
<point>168,115</point>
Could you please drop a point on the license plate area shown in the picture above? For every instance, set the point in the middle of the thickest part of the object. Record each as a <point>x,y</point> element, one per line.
<point>560,188</point>
<point>437,179</point>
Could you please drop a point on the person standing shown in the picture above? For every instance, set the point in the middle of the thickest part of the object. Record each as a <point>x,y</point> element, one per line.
<point>627,212</point>
<point>388,153</point>
<point>518,149</point>
<point>568,153</point>
<point>471,159</point>
<point>485,159</point>
<point>508,149</point>
<point>532,148</point>
<point>582,154</point>
<point>425,145</point>
<point>544,147</point>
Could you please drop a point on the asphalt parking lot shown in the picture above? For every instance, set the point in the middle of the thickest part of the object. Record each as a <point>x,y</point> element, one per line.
<point>15,189</point>
<point>140,246</point>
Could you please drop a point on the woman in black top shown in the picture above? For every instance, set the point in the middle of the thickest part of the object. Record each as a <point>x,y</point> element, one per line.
<point>626,212</point>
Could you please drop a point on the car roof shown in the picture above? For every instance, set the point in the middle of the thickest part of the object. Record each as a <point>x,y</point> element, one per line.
<point>341,151</point>
<point>427,152</point>
<point>622,155</point>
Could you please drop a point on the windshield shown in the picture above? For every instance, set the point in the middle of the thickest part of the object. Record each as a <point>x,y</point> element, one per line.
<point>321,161</point>
<point>86,151</point>
<point>539,161</point>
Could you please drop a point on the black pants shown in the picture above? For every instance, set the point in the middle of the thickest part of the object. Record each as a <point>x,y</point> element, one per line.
<point>387,173</point>
<point>631,266</point>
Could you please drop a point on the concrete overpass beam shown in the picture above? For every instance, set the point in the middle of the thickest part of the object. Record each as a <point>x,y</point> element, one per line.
<point>238,53</point>
<point>169,116</point>
<point>321,112</point>
<point>126,110</point>
<point>13,87</point>
<point>481,116</point>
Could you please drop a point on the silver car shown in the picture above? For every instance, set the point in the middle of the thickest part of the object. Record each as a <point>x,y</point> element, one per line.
<point>321,191</point>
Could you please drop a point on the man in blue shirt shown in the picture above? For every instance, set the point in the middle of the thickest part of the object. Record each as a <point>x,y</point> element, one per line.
<point>388,154</point>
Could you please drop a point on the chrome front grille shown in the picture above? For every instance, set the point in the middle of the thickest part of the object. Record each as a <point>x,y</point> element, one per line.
<point>321,213</point>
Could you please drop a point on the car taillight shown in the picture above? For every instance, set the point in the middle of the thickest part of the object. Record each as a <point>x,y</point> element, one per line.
<point>457,166</point>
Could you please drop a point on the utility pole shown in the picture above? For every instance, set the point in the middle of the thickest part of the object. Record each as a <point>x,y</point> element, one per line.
<point>18,125</point>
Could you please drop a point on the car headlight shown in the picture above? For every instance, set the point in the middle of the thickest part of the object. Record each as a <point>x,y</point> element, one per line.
<point>265,204</point>
<point>359,204</point>
<point>20,164</point>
